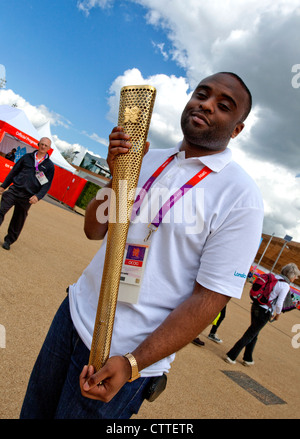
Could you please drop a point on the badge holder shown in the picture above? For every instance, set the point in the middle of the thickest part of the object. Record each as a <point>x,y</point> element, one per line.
<point>41,177</point>
<point>132,272</point>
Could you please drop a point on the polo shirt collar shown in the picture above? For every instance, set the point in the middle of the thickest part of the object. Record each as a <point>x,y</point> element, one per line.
<point>216,162</point>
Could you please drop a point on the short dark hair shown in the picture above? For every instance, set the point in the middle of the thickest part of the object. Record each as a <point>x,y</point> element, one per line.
<point>249,105</point>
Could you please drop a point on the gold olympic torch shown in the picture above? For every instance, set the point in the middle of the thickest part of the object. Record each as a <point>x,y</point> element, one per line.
<point>135,110</point>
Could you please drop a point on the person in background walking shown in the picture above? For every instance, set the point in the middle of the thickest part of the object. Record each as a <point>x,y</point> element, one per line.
<point>261,315</point>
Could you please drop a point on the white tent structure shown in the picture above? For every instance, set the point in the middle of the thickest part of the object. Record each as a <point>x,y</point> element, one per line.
<point>16,131</point>
<point>27,134</point>
<point>45,131</point>
<point>18,119</point>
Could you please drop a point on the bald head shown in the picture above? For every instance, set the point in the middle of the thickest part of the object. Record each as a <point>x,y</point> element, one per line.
<point>46,141</point>
<point>43,146</point>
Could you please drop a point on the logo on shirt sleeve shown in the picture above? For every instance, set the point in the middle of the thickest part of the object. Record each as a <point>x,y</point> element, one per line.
<point>237,274</point>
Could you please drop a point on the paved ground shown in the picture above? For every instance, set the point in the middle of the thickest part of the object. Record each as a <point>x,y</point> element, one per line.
<point>52,251</point>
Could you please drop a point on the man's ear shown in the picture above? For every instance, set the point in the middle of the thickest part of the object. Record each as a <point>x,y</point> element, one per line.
<point>237,130</point>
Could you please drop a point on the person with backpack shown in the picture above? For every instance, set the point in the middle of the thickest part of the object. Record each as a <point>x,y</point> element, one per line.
<point>267,293</point>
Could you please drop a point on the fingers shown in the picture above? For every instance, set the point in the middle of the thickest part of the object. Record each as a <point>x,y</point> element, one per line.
<point>33,199</point>
<point>105,383</point>
<point>119,142</point>
<point>91,386</point>
<point>88,379</point>
<point>92,379</point>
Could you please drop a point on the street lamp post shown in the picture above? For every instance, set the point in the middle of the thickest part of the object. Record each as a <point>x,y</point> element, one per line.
<point>287,239</point>
<point>265,249</point>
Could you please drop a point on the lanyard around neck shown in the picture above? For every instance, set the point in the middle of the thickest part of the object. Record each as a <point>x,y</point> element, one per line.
<point>172,200</point>
<point>37,162</point>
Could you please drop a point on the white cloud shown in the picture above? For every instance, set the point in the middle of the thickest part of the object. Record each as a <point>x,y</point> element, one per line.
<point>280,190</point>
<point>96,138</point>
<point>161,48</point>
<point>62,145</point>
<point>258,40</point>
<point>86,5</point>
<point>172,95</point>
<point>37,115</point>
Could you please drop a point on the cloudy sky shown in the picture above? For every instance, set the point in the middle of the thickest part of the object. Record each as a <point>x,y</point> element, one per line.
<point>66,60</point>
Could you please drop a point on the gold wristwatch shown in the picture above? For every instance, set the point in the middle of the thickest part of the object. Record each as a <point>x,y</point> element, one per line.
<point>134,367</point>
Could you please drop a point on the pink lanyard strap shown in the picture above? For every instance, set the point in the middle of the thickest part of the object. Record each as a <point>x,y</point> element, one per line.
<point>145,189</point>
<point>179,194</point>
<point>38,162</point>
<point>174,198</point>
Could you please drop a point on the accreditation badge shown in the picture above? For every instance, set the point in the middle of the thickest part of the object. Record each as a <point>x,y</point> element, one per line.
<point>41,177</point>
<point>132,272</point>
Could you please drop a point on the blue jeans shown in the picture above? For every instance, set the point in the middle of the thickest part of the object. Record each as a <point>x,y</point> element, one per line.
<point>53,390</point>
<point>259,318</point>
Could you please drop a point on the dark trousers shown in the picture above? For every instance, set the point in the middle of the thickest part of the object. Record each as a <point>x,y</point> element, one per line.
<point>10,198</point>
<point>259,318</point>
<point>214,328</point>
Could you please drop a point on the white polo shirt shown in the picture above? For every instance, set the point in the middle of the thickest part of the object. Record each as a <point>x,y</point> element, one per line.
<point>211,236</point>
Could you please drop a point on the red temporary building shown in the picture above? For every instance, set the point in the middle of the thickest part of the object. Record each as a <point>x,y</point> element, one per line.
<point>16,131</point>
